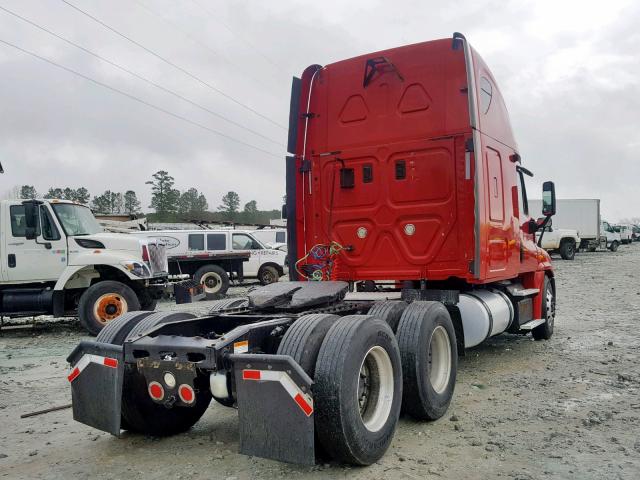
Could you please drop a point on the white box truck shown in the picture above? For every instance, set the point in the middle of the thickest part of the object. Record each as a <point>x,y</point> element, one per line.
<point>583,216</point>
<point>56,260</point>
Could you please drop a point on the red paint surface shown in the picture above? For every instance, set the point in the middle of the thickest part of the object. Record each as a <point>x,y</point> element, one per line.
<point>422,119</point>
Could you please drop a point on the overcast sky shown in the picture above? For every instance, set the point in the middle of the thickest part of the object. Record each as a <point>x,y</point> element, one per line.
<point>568,70</point>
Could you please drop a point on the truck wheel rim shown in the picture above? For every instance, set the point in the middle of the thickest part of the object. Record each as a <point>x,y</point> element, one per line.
<point>267,277</point>
<point>375,388</point>
<point>211,282</point>
<point>551,310</point>
<point>109,306</point>
<point>439,361</point>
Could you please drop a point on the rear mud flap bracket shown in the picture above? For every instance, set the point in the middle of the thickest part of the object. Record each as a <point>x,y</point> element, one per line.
<point>275,408</point>
<point>96,377</point>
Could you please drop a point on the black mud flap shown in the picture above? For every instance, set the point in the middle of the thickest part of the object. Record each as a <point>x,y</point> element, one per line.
<point>97,371</point>
<point>275,407</point>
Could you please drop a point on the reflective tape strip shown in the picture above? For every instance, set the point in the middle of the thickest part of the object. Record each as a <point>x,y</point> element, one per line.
<point>303,400</point>
<point>88,358</point>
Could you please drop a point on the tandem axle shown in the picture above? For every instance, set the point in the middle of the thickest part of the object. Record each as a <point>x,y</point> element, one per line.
<point>292,356</point>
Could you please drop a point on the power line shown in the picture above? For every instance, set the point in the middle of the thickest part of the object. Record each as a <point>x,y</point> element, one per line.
<point>140,77</point>
<point>137,99</point>
<point>195,40</point>
<point>177,67</point>
<point>247,42</point>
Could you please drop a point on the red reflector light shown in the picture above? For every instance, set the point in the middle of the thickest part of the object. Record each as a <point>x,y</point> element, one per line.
<point>110,362</point>
<point>145,253</point>
<point>156,391</point>
<point>186,393</point>
<point>74,373</point>
<point>302,403</point>
<point>251,374</point>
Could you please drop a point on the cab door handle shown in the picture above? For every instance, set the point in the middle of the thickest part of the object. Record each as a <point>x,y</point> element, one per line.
<point>11,260</point>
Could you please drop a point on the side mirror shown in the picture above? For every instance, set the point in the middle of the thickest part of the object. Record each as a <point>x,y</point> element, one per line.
<point>31,220</point>
<point>548,199</point>
<point>283,212</point>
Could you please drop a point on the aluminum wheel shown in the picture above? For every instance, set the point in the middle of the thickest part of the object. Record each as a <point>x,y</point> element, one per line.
<point>551,307</point>
<point>109,306</point>
<point>439,361</point>
<point>375,388</point>
<point>211,282</point>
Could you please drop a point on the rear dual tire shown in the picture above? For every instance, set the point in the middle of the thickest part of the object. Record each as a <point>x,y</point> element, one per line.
<point>364,375</point>
<point>357,389</point>
<point>428,348</point>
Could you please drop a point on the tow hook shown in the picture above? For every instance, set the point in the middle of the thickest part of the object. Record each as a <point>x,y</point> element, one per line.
<point>170,401</point>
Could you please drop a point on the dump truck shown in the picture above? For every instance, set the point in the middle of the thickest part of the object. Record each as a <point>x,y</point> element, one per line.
<point>56,260</point>
<point>402,166</point>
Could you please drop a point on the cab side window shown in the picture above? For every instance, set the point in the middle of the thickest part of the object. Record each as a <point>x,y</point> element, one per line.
<point>49,229</point>
<point>523,204</point>
<point>18,220</point>
<point>242,241</point>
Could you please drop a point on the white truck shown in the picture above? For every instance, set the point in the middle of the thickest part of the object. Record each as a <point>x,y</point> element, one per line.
<point>626,232</point>
<point>609,237</point>
<point>211,257</point>
<point>583,216</point>
<point>56,260</point>
<point>564,241</point>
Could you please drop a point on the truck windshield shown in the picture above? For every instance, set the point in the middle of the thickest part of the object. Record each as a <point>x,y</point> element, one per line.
<point>76,219</point>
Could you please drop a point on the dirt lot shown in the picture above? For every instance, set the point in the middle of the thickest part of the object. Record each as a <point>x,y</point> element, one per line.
<point>566,408</point>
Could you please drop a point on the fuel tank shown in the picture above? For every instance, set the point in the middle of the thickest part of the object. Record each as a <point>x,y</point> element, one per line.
<point>484,313</point>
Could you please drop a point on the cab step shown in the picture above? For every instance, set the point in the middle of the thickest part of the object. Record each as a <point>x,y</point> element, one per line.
<point>532,324</point>
<point>524,293</point>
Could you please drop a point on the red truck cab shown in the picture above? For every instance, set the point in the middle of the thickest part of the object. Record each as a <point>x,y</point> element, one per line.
<point>406,162</point>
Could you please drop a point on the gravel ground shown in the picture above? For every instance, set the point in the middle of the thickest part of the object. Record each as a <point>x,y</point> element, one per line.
<point>565,408</point>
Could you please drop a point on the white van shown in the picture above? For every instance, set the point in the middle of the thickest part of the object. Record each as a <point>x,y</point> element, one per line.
<point>271,237</point>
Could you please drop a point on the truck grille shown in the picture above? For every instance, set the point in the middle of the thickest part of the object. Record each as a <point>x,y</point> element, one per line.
<point>158,258</point>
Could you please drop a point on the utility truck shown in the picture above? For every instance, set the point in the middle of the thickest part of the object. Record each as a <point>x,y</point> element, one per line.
<point>56,260</point>
<point>403,166</point>
<point>211,257</point>
<point>561,240</point>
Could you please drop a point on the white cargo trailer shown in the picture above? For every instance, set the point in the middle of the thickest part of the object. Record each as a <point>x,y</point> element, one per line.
<point>583,215</point>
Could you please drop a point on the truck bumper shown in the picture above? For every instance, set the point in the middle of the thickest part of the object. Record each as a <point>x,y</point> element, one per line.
<point>96,378</point>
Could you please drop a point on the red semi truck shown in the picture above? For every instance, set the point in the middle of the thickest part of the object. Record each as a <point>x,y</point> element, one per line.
<point>403,167</point>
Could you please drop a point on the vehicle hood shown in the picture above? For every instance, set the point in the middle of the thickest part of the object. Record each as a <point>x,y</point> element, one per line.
<point>116,242</point>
